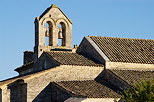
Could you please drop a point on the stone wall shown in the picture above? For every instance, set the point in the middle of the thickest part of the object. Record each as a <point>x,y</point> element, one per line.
<point>52,93</point>
<point>5,94</point>
<point>18,91</point>
<point>63,73</point>
<point>45,62</point>
<point>90,49</point>
<point>44,95</point>
<point>132,66</point>
<point>115,83</point>
<point>59,94</point>
<point>28,57</point>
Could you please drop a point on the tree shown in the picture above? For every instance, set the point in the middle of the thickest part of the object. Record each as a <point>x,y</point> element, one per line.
<point>140,92</point>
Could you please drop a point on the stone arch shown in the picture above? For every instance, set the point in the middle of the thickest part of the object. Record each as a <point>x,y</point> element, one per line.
<point>48,19</point>
<point>62,20</point>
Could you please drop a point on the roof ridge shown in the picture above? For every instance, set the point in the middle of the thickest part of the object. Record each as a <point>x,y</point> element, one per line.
<point>141,70</point>
<point>59,51</point>
<point>71,58</point>
<point>72,81</point>
<point>24,77</point>
<point>120,38</point>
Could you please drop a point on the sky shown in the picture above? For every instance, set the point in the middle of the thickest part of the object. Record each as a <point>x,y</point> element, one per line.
<point>109,18</point>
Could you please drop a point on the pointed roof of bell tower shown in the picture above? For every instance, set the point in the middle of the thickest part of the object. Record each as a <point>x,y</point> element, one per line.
<point>51,7</point>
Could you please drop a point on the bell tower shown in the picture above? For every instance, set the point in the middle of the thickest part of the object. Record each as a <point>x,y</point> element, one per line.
<point>53,31</point>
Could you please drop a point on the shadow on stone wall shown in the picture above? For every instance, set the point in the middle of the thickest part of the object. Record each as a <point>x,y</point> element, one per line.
<point>18,91</point>
<point>112,81</point>
<point>44,95</point>
<point>52,93</point>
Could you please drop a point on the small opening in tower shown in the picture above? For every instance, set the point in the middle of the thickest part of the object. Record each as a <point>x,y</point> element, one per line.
<point>46,25</point>
<point>60,35</point>
<point>59,26</point>
<point>47,41</point>
<point>48,31</point>
<point>47,34</point>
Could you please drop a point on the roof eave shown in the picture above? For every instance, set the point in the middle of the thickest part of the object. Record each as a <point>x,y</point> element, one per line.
<point>97,49</point>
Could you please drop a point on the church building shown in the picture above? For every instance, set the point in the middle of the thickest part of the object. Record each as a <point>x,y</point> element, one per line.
<point>95,71</point>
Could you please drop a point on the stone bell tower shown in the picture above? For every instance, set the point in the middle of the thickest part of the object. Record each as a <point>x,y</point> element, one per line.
<point>53,31</point>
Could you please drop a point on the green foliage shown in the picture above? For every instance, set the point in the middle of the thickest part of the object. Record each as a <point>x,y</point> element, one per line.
<point>140,92</point>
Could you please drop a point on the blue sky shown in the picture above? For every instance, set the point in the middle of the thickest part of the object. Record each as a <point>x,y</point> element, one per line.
<point>111,18</point>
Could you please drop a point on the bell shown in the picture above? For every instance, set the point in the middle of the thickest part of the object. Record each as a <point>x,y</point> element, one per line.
<point>60,34</point>
<point>47,32</point>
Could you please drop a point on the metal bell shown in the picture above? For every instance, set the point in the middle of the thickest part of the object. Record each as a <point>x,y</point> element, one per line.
<point>60,34</point>
<point>47,32</point>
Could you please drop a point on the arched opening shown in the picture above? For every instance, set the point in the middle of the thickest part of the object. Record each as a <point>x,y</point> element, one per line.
<point>61,34</point>
<point>48,33</point>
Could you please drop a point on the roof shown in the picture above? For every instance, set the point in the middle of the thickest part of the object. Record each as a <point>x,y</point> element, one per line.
<point>54,6</point>
<point>126,49</point>
<point>89,88</point>
<point>25,67</point>
<point>70,58</point>
<point>133,76</point>
<point>13,79</point>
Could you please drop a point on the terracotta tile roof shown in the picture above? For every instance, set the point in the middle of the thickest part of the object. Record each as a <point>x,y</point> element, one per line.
<point>69,58</point>
<point>126,50</point>
<point>133,76</point>
<point>89,88</point>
